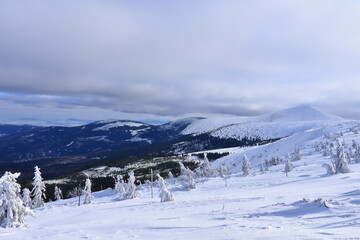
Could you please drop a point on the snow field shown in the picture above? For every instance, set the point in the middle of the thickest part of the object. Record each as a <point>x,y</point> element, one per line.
<point>261,206</point>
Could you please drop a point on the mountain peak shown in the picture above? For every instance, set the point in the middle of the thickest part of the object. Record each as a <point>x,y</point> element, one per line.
<point>299,113</point>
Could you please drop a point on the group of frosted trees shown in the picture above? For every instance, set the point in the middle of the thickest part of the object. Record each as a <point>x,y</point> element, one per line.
<point>344,155</point>
<point>14,206</point>
<point>128,190</point>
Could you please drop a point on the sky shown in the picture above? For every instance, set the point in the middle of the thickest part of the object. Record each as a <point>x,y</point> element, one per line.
<point>167,59</point>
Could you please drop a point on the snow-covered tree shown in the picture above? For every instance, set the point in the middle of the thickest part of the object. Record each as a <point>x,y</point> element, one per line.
<point>164,194</point>
<point>263,168</point>
<point>87,191</point>
<point>224,170</point>
<point>12,209</point>
<point>275,160</point>
<point>206,170</point>
<point>131,189</point>
<point>58,193</point>
<point>329,169</point>
<point>297,155</point>
<point>341,161</point>
<point>38,191</point>
<point>186,177</point>
<point>120,185</point>
<point>245,166</point>
<point>170,175</point>
<point>288,166</point>
<point>357,155</point>
<point>25,197</point>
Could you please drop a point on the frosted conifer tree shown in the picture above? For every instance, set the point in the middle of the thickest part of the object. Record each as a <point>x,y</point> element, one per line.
<point>263,168</point>
<point>288,166</point>
<point>170,175</point>
<point>297,155</point>
<point>357,155</point>
<point>25,197</point>
<point>186,178</point>
<point>329,169</point>
<point>120,185</point>
<point>341,164</point>
<point>12,209</point>
<point>206,170</point>
<point>224,170</point>
<point>38,191</point>
<point>165,195</point>
<point>245,166</point>
<point>57,193</point>
<point>131,189</point>
<point>87,191</point>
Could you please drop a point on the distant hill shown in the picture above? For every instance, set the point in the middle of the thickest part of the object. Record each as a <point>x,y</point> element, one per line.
<point>9,129</point>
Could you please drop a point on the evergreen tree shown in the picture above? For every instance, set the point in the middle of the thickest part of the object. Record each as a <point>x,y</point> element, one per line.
<point>170,175</point>
<point>38,191</point>
<point>329,169</point>
<point>206,170</point>
<point>26,197</point>
<point>357,154</point>
<point>164,194</point>
<point>263,168</point>
<point>288,166</point>
<point>186,178</point>
<point>297,155</point>
<point>341,164</point>
<point>87,191</point>
<point>131,189</point>
<point>12,209</point>
<point>245,166</point>
<point>57,193</point>
<point>120,185</point>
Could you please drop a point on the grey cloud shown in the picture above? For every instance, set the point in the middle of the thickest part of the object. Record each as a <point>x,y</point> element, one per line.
<point>178,57</point>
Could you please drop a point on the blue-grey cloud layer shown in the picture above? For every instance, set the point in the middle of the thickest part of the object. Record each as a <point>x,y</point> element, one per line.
<point>175,57</point>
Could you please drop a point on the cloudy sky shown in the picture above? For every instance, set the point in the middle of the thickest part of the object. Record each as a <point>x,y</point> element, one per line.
<point>166,59</point>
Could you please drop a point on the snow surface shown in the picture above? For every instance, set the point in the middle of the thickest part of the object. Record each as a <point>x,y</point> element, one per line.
<point>265,206</point>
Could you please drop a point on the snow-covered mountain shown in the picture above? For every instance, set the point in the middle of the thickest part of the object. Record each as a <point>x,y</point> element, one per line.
<point>298,114</point>
<point>275,125</point>
<point>109,140</point>
<point>268,204</point>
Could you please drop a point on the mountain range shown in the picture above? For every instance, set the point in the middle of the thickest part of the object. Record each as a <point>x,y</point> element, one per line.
<point>108,140</point>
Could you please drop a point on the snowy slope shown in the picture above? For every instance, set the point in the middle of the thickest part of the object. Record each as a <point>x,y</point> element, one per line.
<point>300,113</point>
<point>264,206</point>
<point>276,125</point>
<point>306,205</point>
